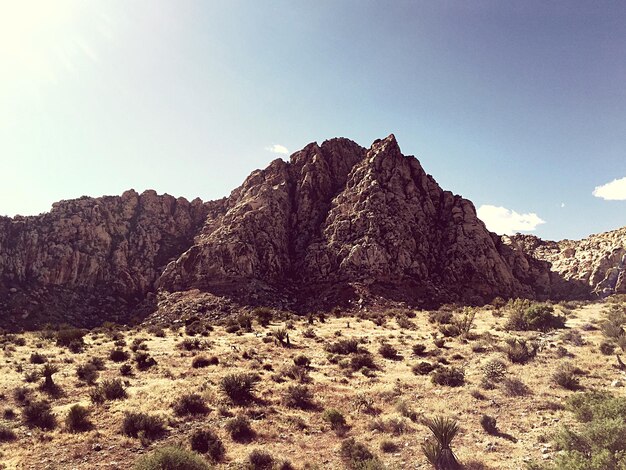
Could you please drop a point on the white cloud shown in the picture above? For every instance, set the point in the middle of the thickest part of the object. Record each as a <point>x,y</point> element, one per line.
<point>613,191</point>
<point>562,205</point>
<point>505,221</point>
<point>277,148</point>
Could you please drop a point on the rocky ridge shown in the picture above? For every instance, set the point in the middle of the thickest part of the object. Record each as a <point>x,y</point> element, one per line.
<point>337,224</point>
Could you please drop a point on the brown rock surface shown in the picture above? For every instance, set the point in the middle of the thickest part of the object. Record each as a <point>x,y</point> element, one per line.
<point>336,225</point>
<point>596,263</point>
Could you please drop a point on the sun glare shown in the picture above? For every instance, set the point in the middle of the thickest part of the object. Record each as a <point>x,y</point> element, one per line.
<point>33,35</point>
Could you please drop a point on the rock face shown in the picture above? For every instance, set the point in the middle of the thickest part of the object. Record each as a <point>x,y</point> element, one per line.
<point>88,255</point>
<point>597,264</point>
<point>339,221</point>
<point>337,224</point>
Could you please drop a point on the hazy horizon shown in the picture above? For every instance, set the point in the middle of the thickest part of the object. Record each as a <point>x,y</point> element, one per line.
<point>519,108</point>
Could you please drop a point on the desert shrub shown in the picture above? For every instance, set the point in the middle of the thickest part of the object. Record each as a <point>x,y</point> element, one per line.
<point>573,337</point>
<point>263,315</point>
<point>439,342</point>
<point>362,360</point>
<point>171,458</point>
<point>77,419</point>
<point>190,404</point>
<point>197,327</point>
<point>607,348</point>
<point>144,361</point>
<point>97,362</point>
<point>526,315</point>
<point>334,418</point>
<point>126,370</point>
<point>108,390</point>
<point>31,376</point>
<point>388,446</point>
<point>118,355</point>
<point>494,370</point>
<point>404,408</point>
<point>515,387</point>
<point>87,373</point>
<point>449,376</point>
<point>613,326</point>
<point>37,358</point>
<point>7,434</point>
<point>240,386</point>
<point>298,373</point>
<point>443,317</point>
<point>387,351</point>
<point>404,323</point>
<point>520,351</point>
<point>260,460</point>
<point>39,414</point>
<point>422,368</point>
<point>598,444</point>
<point>71,338</point>
<point>302,361</point>
<point>357,456</point>
<point>343,346</point>
<point>437,449</point>
<point>156,330</point>
<point>47,373</point>
<point>281,335</point>
<point>298,396</point>
<point>566,377</point>
<point>418,349</point>
<point>204,361</point>
<point>137,424</point>
<point>308,333</point>
<point>207,442</point>
<point>138,344</point>
<point>8,414</point>
<point>489,424</point>
<point>240,429</point>
<point>22,394</point>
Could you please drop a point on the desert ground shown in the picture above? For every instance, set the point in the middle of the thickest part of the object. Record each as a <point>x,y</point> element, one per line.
<point>315,382</point>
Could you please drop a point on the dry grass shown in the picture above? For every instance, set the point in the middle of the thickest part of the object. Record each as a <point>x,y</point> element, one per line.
<point>396,398</point>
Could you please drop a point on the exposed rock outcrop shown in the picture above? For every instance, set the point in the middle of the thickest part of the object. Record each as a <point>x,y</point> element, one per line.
<point>596,264</point>
<point>337,224</point>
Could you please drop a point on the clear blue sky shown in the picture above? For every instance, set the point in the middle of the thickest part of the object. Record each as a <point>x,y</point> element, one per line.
<point>519,105</point>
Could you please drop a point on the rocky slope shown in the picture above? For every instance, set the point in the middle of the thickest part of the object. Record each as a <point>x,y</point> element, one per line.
<point>337,224</point>
<point>597,262</point>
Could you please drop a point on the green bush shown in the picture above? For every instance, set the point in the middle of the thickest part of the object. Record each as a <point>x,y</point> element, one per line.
<point>171,458</point>
<point>524,315</point>
<point>422,368</point>
<point>71,338</point>
<point>566,377</point>
<point>264,315</point>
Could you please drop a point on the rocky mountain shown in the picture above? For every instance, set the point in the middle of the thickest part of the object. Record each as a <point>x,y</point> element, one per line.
<point>337,224</point>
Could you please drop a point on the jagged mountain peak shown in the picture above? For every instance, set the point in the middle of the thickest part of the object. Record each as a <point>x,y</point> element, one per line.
<point>336,224</point>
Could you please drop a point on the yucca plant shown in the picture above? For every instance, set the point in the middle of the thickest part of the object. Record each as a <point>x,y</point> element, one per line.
<point>437,448</point>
